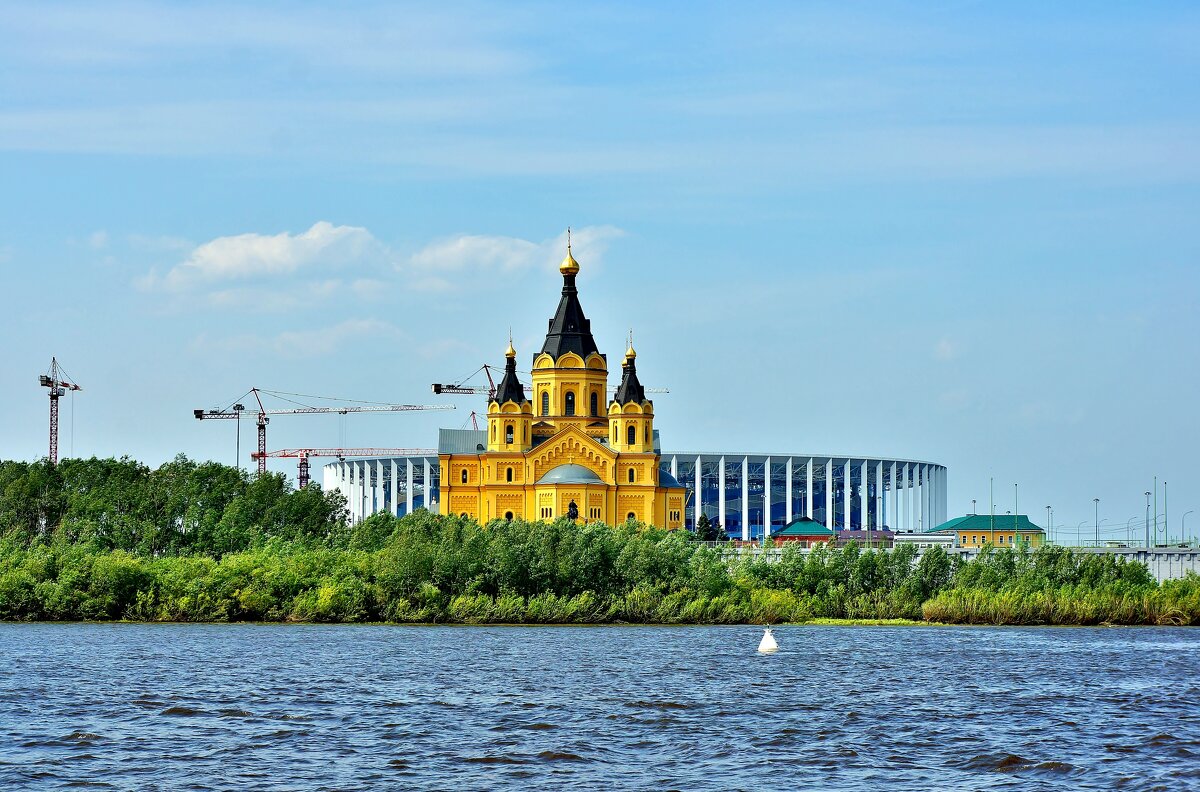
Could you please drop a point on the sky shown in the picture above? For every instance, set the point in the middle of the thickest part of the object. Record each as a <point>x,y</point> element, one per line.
<point>951,231</point>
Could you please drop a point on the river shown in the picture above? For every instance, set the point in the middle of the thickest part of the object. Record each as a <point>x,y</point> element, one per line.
<point>132,706</point>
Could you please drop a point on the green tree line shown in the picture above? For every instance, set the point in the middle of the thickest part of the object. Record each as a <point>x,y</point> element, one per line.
<point>114,539</point>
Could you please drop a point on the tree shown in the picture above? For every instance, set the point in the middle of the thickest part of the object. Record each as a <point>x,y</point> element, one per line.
<point>707,530</point>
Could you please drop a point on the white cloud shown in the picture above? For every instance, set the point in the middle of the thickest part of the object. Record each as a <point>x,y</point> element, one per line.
<point>430,267</point>
<point>98,240</point>
<point>324,247</point>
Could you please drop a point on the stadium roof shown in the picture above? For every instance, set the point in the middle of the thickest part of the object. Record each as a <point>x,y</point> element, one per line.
<point>803,526</point>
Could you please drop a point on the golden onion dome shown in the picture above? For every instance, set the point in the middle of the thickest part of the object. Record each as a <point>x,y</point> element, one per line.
<point>510,353</point>
<point>630,353</point>
<point>569,265</point>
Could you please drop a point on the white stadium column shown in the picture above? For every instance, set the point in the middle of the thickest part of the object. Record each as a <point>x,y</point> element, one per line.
<point>409,485</point>
<point>808,490</point>
<point>674,467</point>
<point>767,498</point>
<point>829,495</point>
<point>891,502</point>
<point>699,507</point>
<point>721,494</point>
<point>847,489</point>
<point>905,499</point>
<point>394,489</point>
<point>376,485</point>
<point>745,499</point>
<point>787,516</point>
<point>865,470</point>
<point>879,523</point>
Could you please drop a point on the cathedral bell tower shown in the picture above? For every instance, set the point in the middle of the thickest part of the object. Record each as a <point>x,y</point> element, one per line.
<point>630,413</point>
<point>510,414</point>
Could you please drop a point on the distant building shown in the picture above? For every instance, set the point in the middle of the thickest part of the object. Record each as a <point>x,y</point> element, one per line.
<point>926,541</point>
<point>871,538</point>
<point>1001,530</point>
<point>807,532</point>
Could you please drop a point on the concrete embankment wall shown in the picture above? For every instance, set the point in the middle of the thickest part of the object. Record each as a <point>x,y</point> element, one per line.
<point>1164,563</point>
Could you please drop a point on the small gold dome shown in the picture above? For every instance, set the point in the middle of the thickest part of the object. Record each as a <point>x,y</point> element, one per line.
<point>569,265</point>
<point>510,352</point>
<point>629,353</point>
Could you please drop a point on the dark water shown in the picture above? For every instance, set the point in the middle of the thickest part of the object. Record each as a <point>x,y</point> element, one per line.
<point>306,707</point>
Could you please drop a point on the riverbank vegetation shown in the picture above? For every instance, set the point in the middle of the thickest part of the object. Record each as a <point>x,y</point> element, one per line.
<point>114,539</point>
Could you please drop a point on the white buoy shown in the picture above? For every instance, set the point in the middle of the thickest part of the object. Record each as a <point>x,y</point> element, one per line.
<point>767,644</point>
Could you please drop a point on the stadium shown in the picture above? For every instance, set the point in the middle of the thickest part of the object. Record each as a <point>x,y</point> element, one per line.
<point>737,489</point>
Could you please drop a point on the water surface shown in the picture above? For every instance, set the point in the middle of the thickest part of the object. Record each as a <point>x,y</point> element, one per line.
<point>127,706</point>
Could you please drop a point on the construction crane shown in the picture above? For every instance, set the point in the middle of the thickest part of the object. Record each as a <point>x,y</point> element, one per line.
<point>59,384</point>
<point>460,388</point>
<point>304,454</point>
<point>262,419</point>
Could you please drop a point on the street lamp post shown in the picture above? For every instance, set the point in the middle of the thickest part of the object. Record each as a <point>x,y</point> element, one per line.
<point>1166,522</point>
<point>1147,519</point>
<point>972,507</point>
<point>1097,502</point>
<point>1047,522</point>
<point>1079,532</point>
<point>1183,526</point>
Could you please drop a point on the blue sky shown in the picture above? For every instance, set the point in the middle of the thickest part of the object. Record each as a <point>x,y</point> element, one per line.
<point>949,231</point>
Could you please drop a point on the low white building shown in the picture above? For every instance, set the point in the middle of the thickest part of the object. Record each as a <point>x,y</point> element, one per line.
<point>925,541</point>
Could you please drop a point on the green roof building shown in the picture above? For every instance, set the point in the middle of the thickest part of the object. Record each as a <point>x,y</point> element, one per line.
<point>976,530</point>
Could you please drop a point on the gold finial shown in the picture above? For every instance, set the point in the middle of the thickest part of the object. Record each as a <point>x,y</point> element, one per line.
<point>569,265</point>
<point>510,353</point>
<point>630,353</point>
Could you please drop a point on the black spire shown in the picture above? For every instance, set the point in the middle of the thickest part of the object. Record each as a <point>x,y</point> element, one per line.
<point>569,330</point>
<point>510,388</point>
<point>630,390</point>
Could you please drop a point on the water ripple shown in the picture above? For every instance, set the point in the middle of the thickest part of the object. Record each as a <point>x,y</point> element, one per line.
<point>200,707</point>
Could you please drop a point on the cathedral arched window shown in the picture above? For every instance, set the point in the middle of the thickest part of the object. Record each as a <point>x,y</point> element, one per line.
<point>631,517</point>
<point>569,403</point>
<point>464,477</point>
<point>545,402</point>
<point>647,433</point>
<point>632,434</point>
<point>508,477</point>
<point>632,475</point>
<point>595,404</point>
<point>508,433</point>
<point>508,515</point>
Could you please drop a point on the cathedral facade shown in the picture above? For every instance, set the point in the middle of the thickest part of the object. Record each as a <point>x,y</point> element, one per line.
<point>566,449</point>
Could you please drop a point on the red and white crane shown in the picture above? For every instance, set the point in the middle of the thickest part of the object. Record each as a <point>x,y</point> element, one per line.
<point>59,384</point>
<point>304,454</point>
<point>262,413</point>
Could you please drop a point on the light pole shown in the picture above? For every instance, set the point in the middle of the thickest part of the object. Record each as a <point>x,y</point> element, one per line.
<point>1129,531</point>
<point>1079,532</point>
<point>972,507</point>
<point>1183,525</point>
<point>1097,502</point>
<point>1166,522</point>
<point>1147,519</point>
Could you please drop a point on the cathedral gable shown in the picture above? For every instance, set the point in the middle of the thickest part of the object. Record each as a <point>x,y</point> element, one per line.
<point>571,445</point>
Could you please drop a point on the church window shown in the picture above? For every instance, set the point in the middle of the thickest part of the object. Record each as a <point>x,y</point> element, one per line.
<point>493,433</point>
<point>632,475</point>
<point>595,404</point>
<point>525,433</point>
<point>631,517</point>
<point>632,434</point>
<point>569,403</point>
<point>647,433</point>
<point>508,433</point>
<point>508,477</point>
<point>464,477</point>
<point>545,402</point>
<point>508,515</point>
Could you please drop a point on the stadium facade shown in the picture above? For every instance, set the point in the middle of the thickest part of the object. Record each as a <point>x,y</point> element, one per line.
<point>737,489</point>
<point>570,449</point>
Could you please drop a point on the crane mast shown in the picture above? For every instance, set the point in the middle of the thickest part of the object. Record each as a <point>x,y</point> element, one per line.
<point>59,384</point>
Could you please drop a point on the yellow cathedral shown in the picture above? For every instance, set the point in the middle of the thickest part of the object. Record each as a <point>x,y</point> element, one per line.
<point>554,453</point>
